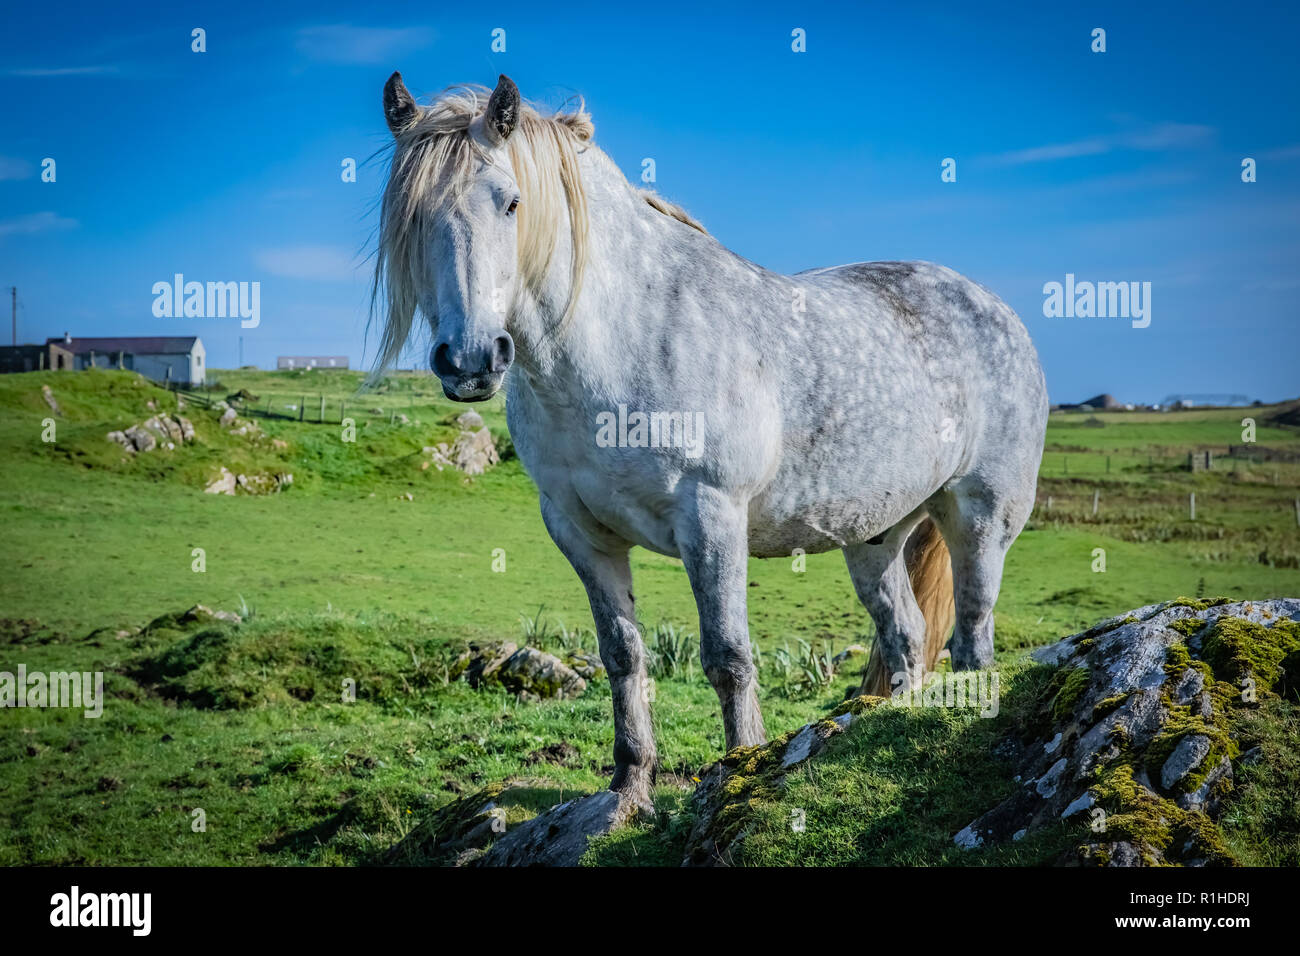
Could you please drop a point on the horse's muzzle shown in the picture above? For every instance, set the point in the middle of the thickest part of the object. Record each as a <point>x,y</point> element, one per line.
<point>473,378</point>
<point>476,388</point>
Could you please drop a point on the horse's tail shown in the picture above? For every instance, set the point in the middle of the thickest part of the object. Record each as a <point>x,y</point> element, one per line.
<point>930,571</point>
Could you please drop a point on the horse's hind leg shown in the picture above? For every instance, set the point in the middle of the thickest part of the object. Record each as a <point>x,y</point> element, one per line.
<point>880,578</point>
<point>607,576</point>
<point>712,537</point>
<point>979,523</point>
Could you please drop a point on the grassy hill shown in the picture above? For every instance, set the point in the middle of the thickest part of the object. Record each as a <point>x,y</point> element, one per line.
<point>342,576</point>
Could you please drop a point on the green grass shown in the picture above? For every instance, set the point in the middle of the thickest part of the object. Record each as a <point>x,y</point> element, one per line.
<point>891,791</point>
<point>347,578</point>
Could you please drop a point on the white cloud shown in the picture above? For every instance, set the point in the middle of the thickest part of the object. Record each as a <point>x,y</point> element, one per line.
<point>64,71</point>
<point>1152,138</point>
<point>1168,136</point>
<point>344,43</point>
<point>1040,154</point>
<point>321,263</point>
<point>35,222</point>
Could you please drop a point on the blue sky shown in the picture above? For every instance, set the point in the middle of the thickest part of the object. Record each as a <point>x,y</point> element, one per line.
<point>1115,166</point>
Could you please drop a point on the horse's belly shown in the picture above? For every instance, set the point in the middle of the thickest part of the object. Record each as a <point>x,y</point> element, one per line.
<point>824,498</point>
<point>777,531</point>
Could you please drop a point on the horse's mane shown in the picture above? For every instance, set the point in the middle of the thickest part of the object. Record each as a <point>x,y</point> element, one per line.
<point>660,204</point>
<point>433,158</point>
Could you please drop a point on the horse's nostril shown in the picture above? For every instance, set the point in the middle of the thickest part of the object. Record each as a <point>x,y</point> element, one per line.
<point>503,352</point>
<point>441,363</point>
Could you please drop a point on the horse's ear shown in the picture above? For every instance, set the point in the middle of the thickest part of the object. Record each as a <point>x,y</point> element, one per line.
<point>502,110</point>
<point>399,105</point>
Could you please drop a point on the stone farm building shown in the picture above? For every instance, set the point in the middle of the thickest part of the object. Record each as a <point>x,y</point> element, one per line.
<point>150,355</point>
<point>311,361</point>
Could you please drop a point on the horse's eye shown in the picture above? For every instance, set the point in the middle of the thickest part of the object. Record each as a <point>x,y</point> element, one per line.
<point>514,204</point>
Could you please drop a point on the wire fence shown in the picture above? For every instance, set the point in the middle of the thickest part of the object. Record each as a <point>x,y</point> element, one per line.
<point>1221,458</point>
<point>309,409</point>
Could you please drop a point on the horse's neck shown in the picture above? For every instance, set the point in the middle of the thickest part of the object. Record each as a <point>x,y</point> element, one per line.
<point>627,262</point>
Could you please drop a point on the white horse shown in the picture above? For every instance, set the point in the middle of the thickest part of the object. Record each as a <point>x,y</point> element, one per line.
<point>881,408</point>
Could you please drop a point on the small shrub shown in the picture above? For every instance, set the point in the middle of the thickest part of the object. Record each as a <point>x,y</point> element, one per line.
<point>669,650</point>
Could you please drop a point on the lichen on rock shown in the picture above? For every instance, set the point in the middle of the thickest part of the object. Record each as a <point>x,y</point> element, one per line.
<point>524,671</point>
<point>730,789</point>
<point>1138,730</point>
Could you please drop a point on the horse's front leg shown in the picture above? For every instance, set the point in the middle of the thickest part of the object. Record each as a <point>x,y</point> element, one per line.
<point>607,576</point>
<point>713,539</point>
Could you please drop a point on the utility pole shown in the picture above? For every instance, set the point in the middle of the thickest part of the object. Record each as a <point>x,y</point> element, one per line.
<point>241,351</point>
<point>13,294</point>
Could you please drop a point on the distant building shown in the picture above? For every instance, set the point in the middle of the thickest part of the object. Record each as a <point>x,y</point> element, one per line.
<point>1103,402</point>
<point>311,361</point>
<point>23,358</point>
<point>177,358</point>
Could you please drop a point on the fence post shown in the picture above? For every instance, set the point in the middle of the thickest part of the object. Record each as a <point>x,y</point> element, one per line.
<point>1108,464</point>
<point>302,407</point>
<point>343,410</point>
<point>322,410</point>
<point>1297,512</point>
<point>1191,503</point>
<point>1096,499</point>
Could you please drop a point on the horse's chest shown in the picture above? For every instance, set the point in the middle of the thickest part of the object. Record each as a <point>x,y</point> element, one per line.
<point>604,488</point>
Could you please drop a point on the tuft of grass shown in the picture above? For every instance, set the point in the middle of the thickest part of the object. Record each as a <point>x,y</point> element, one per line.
<point>670,651</point>
<point>801,672</point>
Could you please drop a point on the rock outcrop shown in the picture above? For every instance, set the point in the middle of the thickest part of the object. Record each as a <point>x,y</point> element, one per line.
<point>472,451</point>
<point>1139,731</point>
<point>524,671</point>
<point>198,614</point>
<point>559,837</point>
<point>47,393</point>
<point>721,799</point>
<point>228,483</point>
<point>230,420</point>
<point>162,429</point>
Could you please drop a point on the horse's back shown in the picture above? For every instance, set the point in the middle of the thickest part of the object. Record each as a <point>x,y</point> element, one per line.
<point>922,377</point>
<point>955,329</point>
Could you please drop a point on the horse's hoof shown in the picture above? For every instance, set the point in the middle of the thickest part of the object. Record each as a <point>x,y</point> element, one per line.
<point>638,806</point>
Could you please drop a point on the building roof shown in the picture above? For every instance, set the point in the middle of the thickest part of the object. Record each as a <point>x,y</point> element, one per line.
<point>141,344</point>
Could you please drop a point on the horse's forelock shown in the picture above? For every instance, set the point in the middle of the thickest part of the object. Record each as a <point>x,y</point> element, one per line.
<point>433,160</point>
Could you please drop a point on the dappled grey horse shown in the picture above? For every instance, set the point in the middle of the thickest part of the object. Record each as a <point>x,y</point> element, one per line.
<point>669,394</point>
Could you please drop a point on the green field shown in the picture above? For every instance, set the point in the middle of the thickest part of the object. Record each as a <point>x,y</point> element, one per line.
<point>343,576</point>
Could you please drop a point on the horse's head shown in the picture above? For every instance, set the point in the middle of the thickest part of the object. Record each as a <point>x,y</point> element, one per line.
<point>466,266</point>
<point>476,199</point>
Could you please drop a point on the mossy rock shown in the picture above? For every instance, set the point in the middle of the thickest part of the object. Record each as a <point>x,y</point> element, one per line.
<point>1140,726</point>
